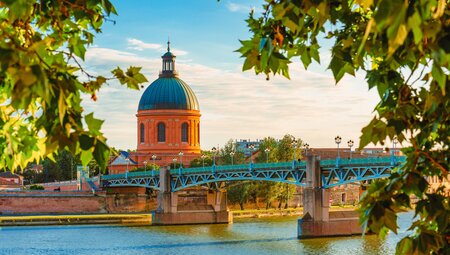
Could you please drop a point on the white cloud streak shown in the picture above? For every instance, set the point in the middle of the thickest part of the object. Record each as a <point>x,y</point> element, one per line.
<point>136,44</point>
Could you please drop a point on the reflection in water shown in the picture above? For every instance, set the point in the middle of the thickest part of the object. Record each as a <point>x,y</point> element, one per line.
<point>246,236</point>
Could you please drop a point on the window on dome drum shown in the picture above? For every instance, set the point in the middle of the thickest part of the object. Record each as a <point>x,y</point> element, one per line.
<point>161,132</point>
<point>184,132</point>
<point>142,131</point>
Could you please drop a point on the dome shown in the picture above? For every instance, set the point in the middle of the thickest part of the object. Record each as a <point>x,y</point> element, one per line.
<point>168,55</point>
<point>168,93</point>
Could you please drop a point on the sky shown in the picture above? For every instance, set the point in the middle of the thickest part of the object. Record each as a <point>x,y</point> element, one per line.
<point>204,35</point>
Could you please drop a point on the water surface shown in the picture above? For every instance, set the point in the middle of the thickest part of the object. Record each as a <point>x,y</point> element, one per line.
<point>276,235</point>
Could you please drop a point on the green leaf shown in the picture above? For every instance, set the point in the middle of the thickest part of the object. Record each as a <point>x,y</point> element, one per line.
<point>93,124</point>
<point>86,142</point>
<point>61,107</point>
<point>85,157</point>
<point>306,59</point>
<point>101,154</point>
<point>439,77</point>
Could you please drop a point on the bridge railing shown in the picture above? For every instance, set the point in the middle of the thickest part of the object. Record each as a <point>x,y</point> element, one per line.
<point>363,161</point>
<point>240,167</point>
<point>131,175</point>
<point>262,166</point>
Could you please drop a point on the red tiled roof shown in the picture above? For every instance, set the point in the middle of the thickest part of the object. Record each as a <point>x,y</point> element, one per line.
<point>9,175</point>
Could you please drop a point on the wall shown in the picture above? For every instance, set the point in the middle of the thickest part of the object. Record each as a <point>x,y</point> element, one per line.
<point>64,202</point>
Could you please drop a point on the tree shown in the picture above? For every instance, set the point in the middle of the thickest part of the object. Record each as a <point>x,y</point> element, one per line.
<point>403,48</point>
<point>42,46</point>
<point>239,193</point>
<point>224,155</point>
<point>286,150</point>
<point>269,191</point>
<point>267,143</point>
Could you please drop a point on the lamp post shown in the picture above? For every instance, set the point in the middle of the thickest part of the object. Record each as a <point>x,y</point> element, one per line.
<point>145,165</point>
<point>128,161</point>
<point>214,151</point>
<point>154,165</point>
<point>338,140</point>
<point>203,160</point>
<point>294,145</point>
<point>181,158</point>
<point>174,163</point>
<point>251,147</point>
<point>350,144</point>
<point>232,157</point>
<point>267,150</point>
<point>306,146</point>
<point>394,143</point>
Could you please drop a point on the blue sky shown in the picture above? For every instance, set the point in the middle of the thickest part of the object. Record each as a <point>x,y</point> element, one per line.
<point>204,35</point>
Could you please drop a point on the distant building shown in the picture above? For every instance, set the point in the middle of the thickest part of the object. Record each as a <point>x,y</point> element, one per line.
<point>37,168</point>
<point>10,181</point>
<point>243,145</point>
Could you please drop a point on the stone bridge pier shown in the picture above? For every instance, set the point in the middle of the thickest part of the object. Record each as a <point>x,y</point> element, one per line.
<point>170,213</point>
<point>317,220</point>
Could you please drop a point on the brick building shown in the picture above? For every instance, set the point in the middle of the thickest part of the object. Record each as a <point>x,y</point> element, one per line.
<point>168,122</point>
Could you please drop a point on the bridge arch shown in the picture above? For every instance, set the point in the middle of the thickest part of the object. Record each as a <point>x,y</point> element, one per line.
<point>296,177</point>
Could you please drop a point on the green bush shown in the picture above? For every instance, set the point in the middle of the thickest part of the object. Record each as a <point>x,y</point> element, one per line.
<point>36,187</point>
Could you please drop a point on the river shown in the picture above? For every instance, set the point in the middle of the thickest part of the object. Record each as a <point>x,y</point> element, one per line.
<point>275,235</point>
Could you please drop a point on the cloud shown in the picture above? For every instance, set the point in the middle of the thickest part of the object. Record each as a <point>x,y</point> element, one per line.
<point>136,44</point>
<point>242,8</point>
<point>234,7</point>
<point>239,105</point>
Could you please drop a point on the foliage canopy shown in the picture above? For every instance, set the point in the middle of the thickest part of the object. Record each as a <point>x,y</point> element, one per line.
<point>42,44</point>
<point>403,47</point>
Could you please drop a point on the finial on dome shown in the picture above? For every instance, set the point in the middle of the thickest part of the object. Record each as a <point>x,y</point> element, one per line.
<point>168,44</point>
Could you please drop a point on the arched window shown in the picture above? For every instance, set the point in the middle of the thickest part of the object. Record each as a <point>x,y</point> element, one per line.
<point>198,133</point>
<point>161,132</point>
<point>184,132</point>
<point>142,131</point>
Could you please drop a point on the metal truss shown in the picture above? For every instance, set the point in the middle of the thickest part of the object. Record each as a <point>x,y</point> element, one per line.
<point>292,176</point>
<point>332,176</point>
<point>148,182</point>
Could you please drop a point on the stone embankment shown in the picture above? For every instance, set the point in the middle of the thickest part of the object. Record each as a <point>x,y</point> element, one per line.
<point>130,200</point>
<point>37,220</point>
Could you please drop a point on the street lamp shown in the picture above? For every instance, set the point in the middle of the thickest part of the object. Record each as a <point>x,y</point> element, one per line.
<point>294,145</point>
<point>251,147</point>
<point>145,165</point>
<point>154,165</point>
<point>214,151</point>
<point>350,144</point>
<point>128,161</point>
<point>174,163</point>
<point>306,146</point>
<point>203,160</point>
<point>394,143</point>
<point>338,140</point>
<point>267,154</point>
<point>181,158</point>
<point>232,157</point>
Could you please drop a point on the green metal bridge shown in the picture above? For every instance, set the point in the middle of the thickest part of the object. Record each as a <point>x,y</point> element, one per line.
<point>332,173</point>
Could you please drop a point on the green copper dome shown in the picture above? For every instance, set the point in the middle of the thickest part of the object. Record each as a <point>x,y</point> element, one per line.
<point>168,93</point>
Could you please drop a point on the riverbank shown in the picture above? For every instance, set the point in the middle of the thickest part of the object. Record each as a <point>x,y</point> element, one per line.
<point>38,220</point>
<point>262,213</point>
<point>138,218</point>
